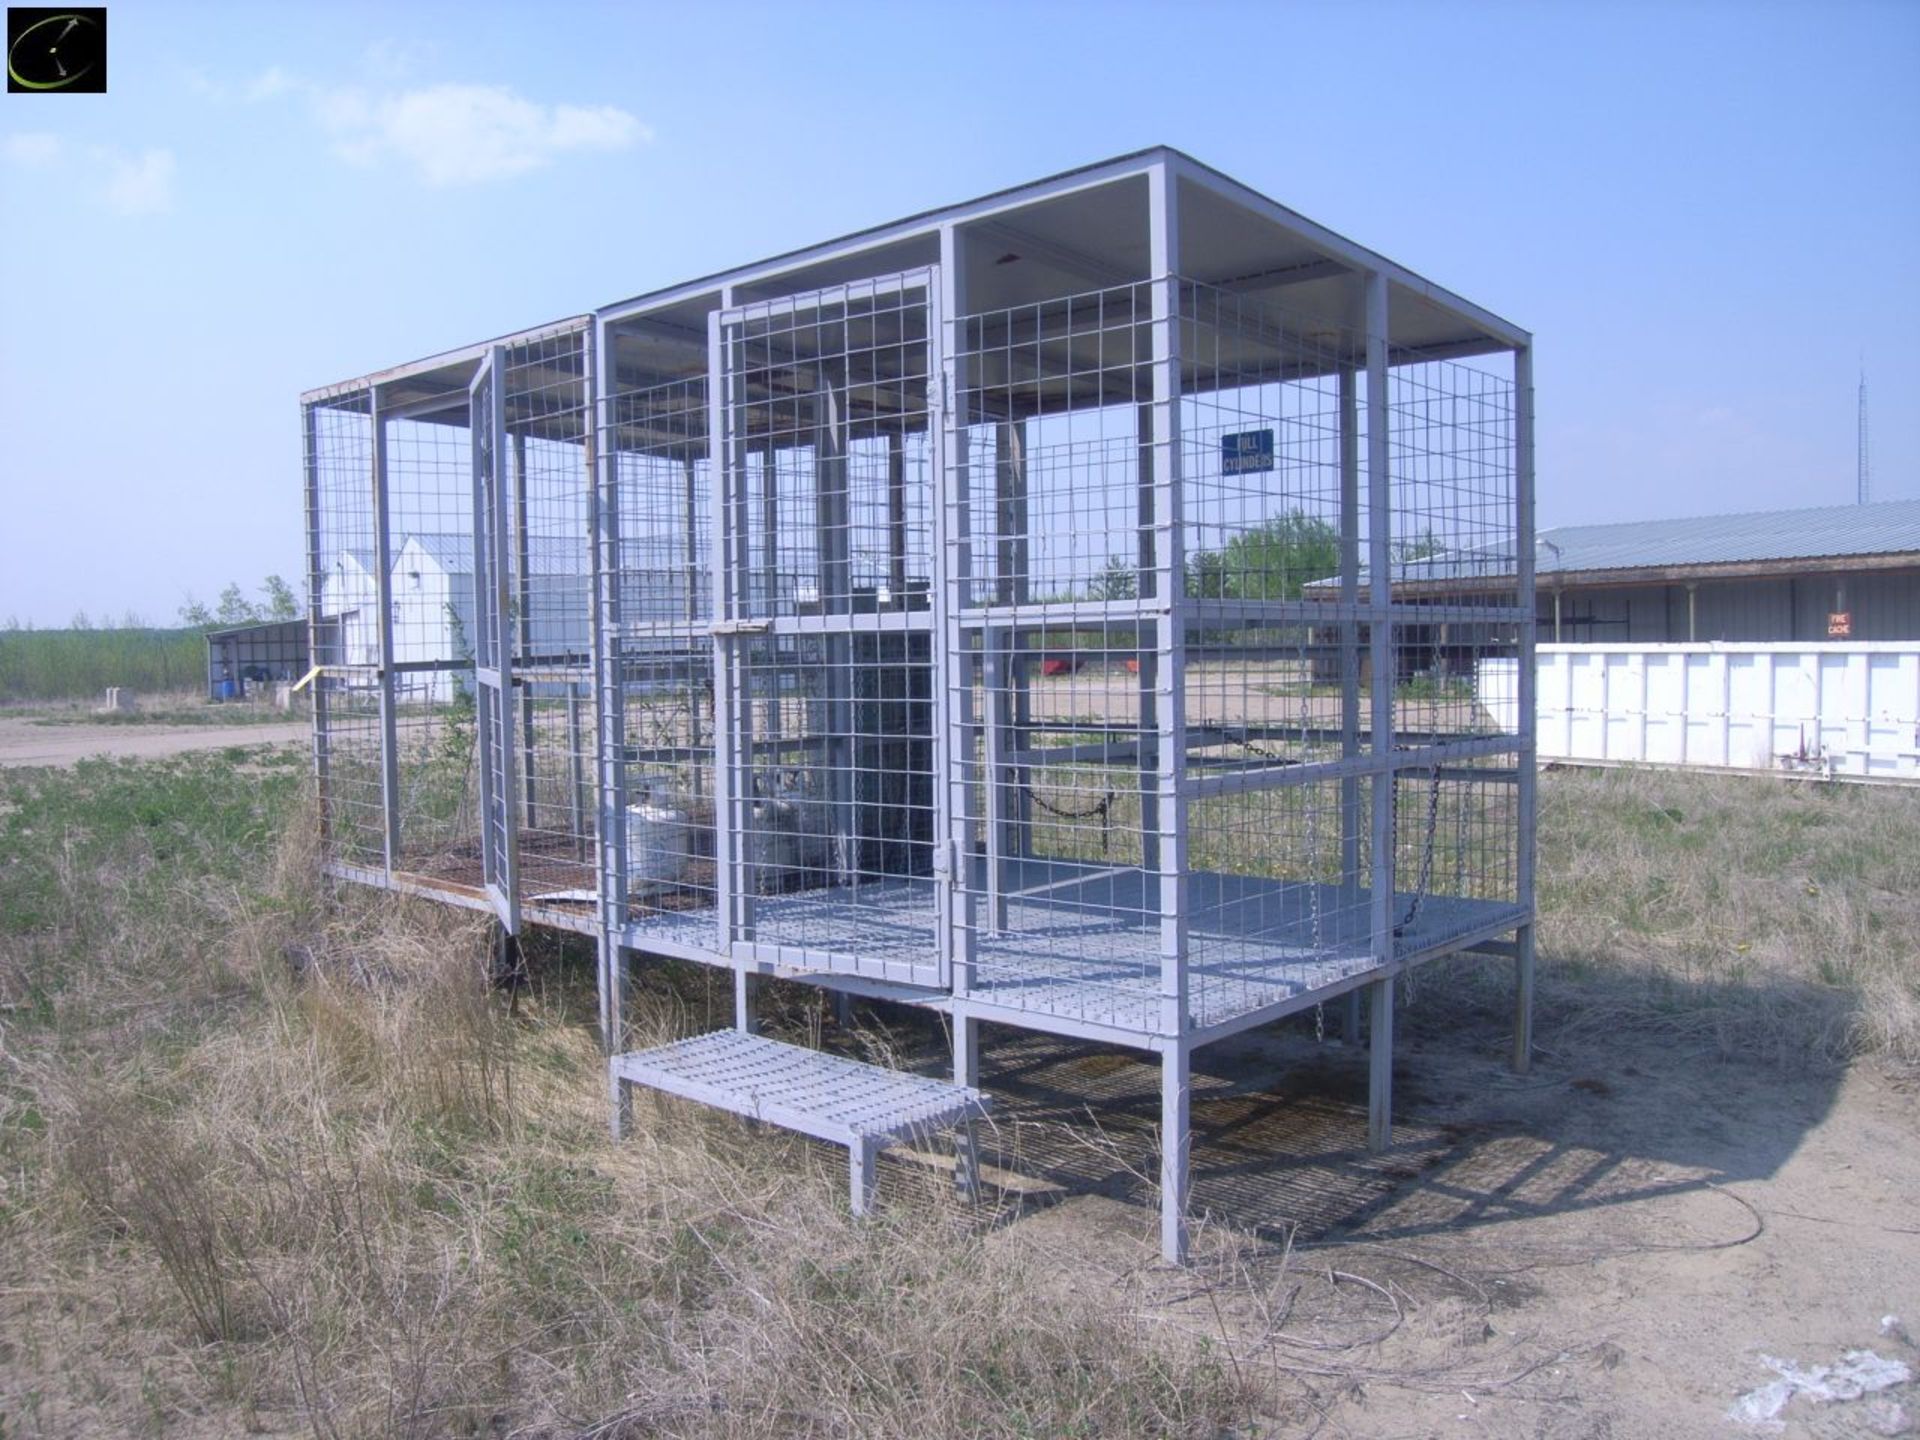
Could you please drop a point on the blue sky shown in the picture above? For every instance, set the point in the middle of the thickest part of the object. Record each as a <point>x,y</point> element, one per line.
<point>1706,213</point>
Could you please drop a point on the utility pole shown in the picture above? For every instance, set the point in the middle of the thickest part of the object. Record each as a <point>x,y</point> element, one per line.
<point>1863,465</point>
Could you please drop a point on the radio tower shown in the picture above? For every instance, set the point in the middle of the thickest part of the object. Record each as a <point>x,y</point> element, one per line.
<point>1863,469</point>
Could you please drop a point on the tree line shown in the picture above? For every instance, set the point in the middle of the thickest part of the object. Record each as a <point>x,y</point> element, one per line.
<point>84,657</point>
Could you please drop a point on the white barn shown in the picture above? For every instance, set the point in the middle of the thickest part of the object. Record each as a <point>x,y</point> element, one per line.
<point>433,605</point>
<point>433,608</point>
<point>349,605</point>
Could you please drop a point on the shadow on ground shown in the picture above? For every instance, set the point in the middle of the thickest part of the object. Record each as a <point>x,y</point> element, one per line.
<point>1280,1130</point>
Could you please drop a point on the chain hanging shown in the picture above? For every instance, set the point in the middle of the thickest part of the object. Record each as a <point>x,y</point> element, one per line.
<point>1102,807</point>
<point>1426,853</point>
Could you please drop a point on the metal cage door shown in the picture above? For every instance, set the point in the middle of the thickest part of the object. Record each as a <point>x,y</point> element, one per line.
<point>492,642</point>
<point>828,427</point>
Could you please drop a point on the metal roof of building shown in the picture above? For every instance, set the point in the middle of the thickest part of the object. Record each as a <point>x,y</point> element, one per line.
<point>1825,532</point>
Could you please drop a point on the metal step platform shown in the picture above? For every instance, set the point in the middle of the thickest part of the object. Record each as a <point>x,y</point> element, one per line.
<point>845,1102</point>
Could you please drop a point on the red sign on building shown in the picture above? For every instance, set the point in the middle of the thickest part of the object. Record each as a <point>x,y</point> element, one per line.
<point>1840,625</point>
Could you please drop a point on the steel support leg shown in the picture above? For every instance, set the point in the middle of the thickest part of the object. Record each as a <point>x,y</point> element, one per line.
<point>1176,1153</point>
<point>619,1102</point>
<point>966,1050</point>
<point>966,1162</point>
<point>1523,1001</point>
<point>1350,1017</point>
<point>744,1020</point>
<point>861,1156</point>
<point>1380,1065</point>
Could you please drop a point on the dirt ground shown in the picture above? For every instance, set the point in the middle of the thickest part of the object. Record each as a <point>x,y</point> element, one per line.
<point>24,741</point>
<point>1605,1248</point>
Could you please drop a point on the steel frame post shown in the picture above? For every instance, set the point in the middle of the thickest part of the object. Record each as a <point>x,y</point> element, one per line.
<point>1527,700</point>
<point>897,511</point>
<point>1146,587</point>
<point>1170,710</point>
<point>383,594</point>
<point>523,624</point>
<point>1380,1064</point>
<point>1170,601</point>
<point>316,591</point>
<point>609,706</point>
<point>966,1046</point>
<point>493,656</point>
<point>1010,517</point>
<point>733,729</point>
<point>834,576</point>
<point>769,562</point>
<point>956,729</point>
<point>691,505</point>
<point>745,1020</point>
<point>1350,653</point>
<point>576,772</point>
<point>1381,661</point>
<point>1176,1149</point>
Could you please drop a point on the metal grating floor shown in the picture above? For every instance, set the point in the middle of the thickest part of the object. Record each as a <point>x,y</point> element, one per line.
<point>1082,942</point>
<point>826,1096</point>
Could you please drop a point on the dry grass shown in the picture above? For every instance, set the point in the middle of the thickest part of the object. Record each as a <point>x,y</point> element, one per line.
<point>284,1166</point>
<point>280,1163</point>
<point>1754,919</point>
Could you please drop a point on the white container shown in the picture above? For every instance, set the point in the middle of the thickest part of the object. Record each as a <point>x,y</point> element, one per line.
<point>1848,709</point>
<point>659,839</point>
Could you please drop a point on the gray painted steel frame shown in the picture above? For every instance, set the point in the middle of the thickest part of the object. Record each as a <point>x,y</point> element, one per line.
<point>1369,752</point>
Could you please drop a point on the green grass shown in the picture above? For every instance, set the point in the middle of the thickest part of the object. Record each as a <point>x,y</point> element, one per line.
<point>75,664</point>
<point>275,1162</point>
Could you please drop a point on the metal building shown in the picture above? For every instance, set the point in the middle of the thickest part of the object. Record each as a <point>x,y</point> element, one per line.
<point>1829,572</point>
<point>244,656</point>
<point>945,640</point>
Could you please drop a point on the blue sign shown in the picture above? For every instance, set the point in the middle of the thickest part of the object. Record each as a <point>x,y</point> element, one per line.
<point>1246,453</point>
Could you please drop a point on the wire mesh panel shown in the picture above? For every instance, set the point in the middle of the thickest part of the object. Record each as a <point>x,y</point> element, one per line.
<point>548,555</point>
<point>492,648</point>
<point>1059,555</point>
<point>1456,607</point>
<point>428,472</point>
<point>343,606</point>
<point>661,508</point>
<point>1282,761</point>
<point>1063,538</point>
<point>827,529</point>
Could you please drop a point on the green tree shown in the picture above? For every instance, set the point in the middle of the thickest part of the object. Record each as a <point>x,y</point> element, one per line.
<point>1207,575</point>
<point>280,602</point>
<point>1273,561</point>
<point>1117,580</point>
<point>235,608</point>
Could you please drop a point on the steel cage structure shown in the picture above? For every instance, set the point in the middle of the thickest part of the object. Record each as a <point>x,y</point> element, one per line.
<point>1007,611</point>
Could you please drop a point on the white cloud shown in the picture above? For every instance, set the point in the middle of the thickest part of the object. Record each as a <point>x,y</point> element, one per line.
<point>124,182</point>
<point>466,134</point>
<point>138,184</point>
<point>396,60</point>
<point>33,148</point>
<point>449,134</point>
<point>268,83</point>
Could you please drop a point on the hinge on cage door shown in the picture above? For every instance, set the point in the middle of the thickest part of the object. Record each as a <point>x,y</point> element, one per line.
<point>944,867</point>
<point>740,627</point>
